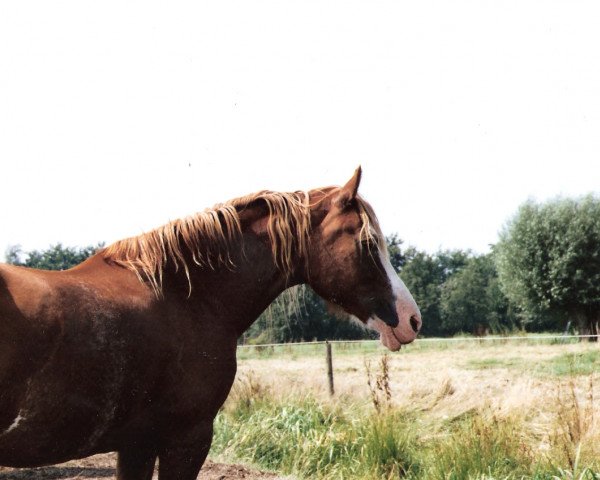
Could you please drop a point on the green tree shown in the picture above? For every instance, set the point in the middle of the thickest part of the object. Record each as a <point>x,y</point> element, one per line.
<point>424,275</point>
<point>57,257</point>
<point>303,320</point>
<point>548,261</point>
<point>472,301</point>
<point>398,258</point>
<point>13,255</point>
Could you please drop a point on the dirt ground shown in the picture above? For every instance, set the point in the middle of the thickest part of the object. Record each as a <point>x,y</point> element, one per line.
<point>102,467</point>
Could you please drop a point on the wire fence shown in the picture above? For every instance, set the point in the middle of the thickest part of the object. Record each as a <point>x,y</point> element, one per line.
<point>342,347</point>
<point>489,338</point>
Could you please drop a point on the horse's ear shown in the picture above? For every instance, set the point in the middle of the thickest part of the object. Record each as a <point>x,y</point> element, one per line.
<point>349,191</point>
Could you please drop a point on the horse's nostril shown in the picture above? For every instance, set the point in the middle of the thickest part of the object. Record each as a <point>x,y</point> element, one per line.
<point>415,324</point>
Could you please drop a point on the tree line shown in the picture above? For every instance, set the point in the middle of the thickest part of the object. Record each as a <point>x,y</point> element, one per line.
<point>542,275</point>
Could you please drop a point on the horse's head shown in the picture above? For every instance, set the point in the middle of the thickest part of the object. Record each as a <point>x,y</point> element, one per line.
<point>349,265</point>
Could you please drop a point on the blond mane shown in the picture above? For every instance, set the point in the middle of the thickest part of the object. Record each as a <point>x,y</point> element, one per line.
<point>209,235</point>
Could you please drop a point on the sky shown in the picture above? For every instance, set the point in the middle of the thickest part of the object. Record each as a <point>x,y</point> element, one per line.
<point>116,117</point>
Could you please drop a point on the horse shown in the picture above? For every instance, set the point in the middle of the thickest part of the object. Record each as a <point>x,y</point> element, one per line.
<point>134,350</point>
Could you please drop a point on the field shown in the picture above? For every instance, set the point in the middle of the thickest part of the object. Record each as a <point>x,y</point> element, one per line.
<point>448,410</point>
<point>460,409</point>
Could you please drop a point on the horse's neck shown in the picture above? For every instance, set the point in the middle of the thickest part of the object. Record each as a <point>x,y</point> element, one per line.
<point>238,294</point>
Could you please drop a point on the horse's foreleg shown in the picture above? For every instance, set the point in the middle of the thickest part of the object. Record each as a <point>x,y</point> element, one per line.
<point>183,458</point>
<point>135,464</point>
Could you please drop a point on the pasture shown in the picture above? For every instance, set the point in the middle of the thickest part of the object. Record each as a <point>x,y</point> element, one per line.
<point>524,409</point>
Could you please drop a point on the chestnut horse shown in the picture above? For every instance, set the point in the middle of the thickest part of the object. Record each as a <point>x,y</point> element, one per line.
<point>134,350</point>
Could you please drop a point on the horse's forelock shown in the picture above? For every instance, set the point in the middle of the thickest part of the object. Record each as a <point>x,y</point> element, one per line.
<point>370,230</point>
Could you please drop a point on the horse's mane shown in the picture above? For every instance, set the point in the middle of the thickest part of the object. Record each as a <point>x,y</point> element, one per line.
<point>209,235</point>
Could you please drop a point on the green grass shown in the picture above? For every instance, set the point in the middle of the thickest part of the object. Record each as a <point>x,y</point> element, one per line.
<point>345,438</point>
<point>309,439</point>
<point>487,363</point>
<point>313,440</point>
<point>582,363</point>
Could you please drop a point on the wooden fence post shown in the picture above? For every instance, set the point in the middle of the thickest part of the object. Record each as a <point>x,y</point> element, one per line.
<point>329,368</point>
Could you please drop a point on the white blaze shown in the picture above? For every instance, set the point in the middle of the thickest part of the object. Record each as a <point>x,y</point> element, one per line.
<point>406,307</point>
<point>401,293</point>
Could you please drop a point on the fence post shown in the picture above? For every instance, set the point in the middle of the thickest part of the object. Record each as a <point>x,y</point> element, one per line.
<point>329,367</point>
<point>566,332</point>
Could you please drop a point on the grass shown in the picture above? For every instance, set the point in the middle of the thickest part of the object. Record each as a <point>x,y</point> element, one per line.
<point>575,363</point>
<point>316,440</point>
<point>487,363</point>
<point>564,364</point>
<point>526,411</point>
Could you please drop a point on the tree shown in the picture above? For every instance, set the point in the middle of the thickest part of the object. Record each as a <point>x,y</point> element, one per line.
<point>548,260</point>
<point>472,301</point>
<point>13,255</point>
<point>56,257</point>
<point>424,274</point>
<point>398,258</point>
<point>302,319</point>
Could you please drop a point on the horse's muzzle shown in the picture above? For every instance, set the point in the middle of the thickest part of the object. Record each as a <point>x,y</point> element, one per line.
<point>399,327</point>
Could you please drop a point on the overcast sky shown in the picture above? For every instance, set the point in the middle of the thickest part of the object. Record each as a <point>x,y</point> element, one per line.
<point>116,117</point>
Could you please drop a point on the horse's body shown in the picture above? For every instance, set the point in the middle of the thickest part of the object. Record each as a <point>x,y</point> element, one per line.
<point>135,352</point>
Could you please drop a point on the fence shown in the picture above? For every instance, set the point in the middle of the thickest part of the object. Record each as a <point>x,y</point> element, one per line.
<point>318,348</point>
<point>422,343</point>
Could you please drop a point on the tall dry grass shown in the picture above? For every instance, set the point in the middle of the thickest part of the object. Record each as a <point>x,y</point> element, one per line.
<point>492,413</point>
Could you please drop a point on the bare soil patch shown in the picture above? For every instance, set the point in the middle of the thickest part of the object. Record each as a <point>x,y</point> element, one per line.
<point>102,467</point>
